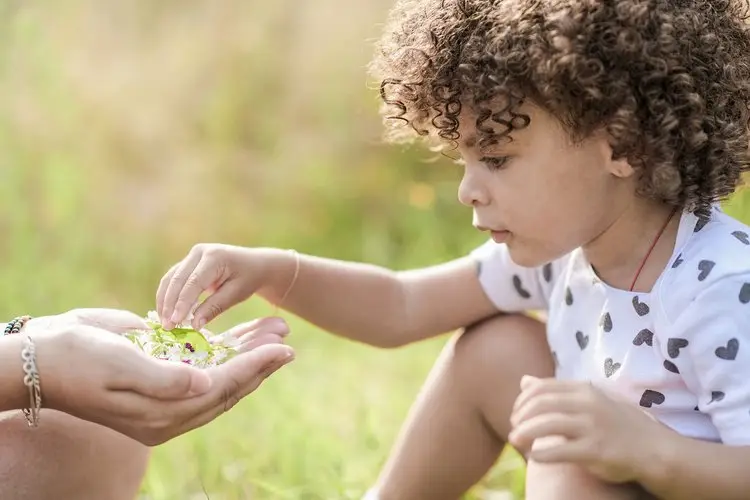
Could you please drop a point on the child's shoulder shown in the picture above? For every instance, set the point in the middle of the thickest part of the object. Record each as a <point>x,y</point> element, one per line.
<point>712,254</point>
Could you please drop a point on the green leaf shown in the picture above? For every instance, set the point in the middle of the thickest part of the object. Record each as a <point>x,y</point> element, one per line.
<point>184,335</point>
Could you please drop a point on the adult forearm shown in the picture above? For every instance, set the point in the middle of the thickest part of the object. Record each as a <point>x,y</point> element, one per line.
<point>688,469</point>
<point>67,458</point>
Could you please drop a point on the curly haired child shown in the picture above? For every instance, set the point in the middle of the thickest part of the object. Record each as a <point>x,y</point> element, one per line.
<point>597,139</point>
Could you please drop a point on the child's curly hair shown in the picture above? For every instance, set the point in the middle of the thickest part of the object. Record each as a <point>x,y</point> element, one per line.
<point>669,80</point>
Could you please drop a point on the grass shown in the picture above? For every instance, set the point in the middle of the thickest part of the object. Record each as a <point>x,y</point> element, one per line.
<point>131,130</point>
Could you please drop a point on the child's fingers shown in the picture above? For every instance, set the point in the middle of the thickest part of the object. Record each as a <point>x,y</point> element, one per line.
<point>548,403</point>
<point>544,426</point>
<point>567,451</point>
<point>161,292</point>
<point>547,386</point>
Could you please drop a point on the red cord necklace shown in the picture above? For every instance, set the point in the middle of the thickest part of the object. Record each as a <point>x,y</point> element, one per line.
<point>648,254</point>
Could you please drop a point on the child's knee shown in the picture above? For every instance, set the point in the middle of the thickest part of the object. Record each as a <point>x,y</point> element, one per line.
<point>487,361</point>
<point>512,343</point>
<point>567,481</point>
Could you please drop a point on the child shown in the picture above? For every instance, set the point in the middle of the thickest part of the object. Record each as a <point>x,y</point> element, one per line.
<point>597,139</point>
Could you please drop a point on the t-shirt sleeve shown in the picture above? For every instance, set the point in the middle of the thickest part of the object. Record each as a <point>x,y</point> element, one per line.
<point>710,345</point>
<point>511,287</point>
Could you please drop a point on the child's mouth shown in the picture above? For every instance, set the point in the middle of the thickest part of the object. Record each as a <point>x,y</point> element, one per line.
<point>500,236</point>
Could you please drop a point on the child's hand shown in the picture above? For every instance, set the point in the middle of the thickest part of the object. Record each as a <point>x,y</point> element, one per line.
<point>230,274</point>
<point>612,439</point>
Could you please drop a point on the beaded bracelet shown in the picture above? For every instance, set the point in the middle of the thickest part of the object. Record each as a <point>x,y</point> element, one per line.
<point>14,326</point>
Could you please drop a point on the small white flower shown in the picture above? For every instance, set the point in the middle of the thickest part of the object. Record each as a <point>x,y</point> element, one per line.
<point>163,346</point>
<point>199,355</point>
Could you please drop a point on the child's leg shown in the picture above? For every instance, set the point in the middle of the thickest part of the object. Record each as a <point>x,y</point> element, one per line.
<point>559,481</point>
<point>457,427</point>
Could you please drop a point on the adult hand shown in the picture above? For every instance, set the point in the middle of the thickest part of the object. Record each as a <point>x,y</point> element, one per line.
<point>114,320</point>
<point>230,274</point>
<point>91,374</point>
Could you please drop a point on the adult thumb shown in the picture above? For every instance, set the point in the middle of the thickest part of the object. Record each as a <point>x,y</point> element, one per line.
<point>162,379</point>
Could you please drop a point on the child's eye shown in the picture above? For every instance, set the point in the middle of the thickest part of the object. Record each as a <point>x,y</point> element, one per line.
<point>495,162</point>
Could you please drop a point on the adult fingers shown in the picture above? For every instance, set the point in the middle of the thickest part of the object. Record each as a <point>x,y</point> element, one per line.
<point>159,379</point>
<point>268,331</point>
<point>255,340</point>
<point>237,379</point>
<point>230,382</point>
<point>236,331</point>
<point>114,320</point>
<point>268,324</point>
<point>158,421</point>
<point>237,376</point>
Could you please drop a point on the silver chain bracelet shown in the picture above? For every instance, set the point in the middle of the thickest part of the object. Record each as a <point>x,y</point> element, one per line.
<point>31,380</point>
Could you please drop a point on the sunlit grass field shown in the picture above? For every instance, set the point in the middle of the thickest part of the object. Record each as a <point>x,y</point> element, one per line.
<point>131,130</point>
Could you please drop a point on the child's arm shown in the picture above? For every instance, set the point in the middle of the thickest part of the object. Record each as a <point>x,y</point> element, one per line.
<point>697,470</point>
<point>708,344</point>
<point>715,364</point>
<point>362,302</point>
<point>375,305</point>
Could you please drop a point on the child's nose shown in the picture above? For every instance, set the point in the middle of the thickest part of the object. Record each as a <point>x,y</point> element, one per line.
<point>470,191</point>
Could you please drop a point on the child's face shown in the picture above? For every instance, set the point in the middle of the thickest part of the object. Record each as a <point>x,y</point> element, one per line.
<point>543,195</point>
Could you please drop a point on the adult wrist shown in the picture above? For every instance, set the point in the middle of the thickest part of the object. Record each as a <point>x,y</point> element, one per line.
<point>15,394</point>
<point>30,373</point>
<point>21,380</point>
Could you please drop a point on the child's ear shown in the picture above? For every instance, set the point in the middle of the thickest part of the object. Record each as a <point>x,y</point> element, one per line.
<point>620,167</point>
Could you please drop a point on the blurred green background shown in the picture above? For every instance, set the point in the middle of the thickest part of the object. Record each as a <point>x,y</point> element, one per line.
<point>131,130</point>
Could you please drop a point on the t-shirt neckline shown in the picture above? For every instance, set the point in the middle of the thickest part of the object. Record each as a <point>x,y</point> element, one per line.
<point>685,231</point>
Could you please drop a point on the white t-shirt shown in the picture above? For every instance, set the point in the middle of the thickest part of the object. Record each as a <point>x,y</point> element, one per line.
<point>682,352</point>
